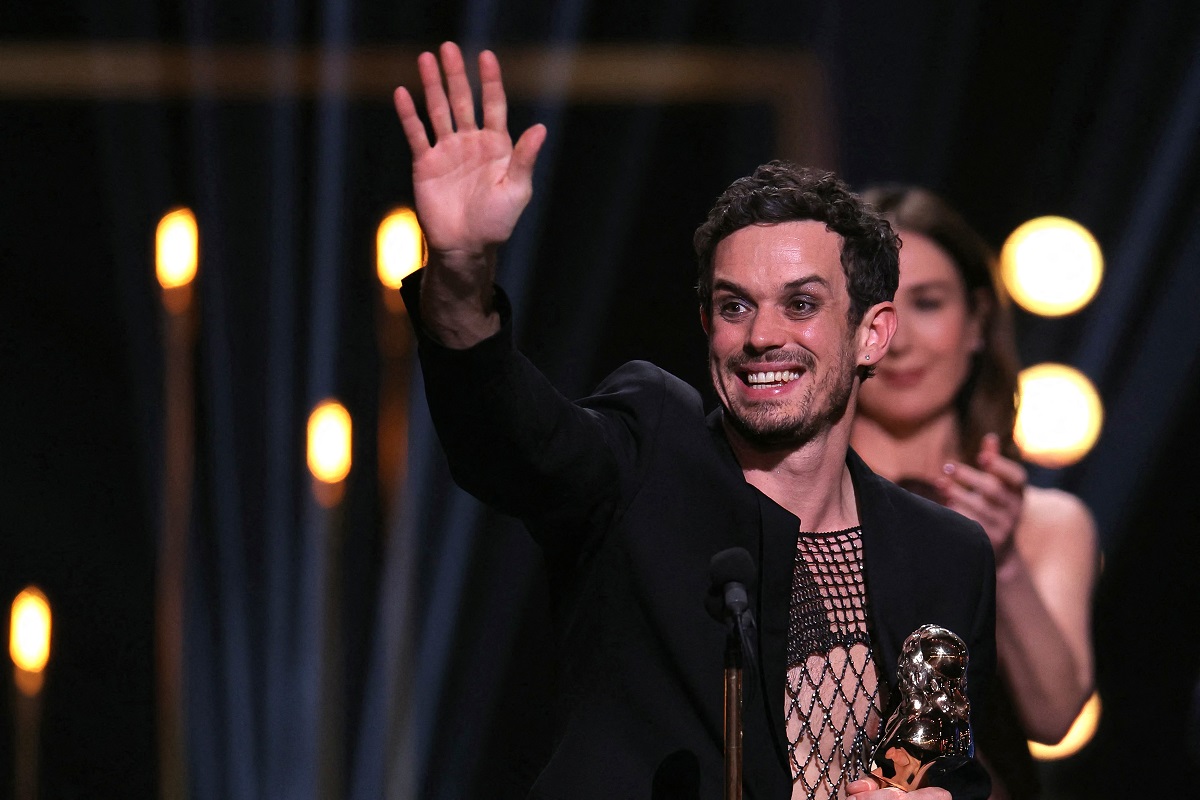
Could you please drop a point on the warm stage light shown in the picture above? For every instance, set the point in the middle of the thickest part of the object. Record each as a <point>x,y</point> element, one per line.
<point>400,248</point>
<point>176,249</point>
<point>1081,732</point>
<point>329,434</point>
<point>29,632</point>
<point>1051,266</point>
<point>1060,415</point>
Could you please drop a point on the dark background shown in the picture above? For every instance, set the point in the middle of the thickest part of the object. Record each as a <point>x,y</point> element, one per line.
<point>1011,110</point>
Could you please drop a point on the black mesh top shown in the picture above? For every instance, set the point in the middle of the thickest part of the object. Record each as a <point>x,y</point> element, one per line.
<point>834,695</point>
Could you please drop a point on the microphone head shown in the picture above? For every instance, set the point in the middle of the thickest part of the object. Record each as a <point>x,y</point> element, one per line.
<point>732,565</point>
<point>728,566</point>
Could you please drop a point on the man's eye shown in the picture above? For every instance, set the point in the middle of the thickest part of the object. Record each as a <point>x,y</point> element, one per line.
<point>928,303</point>
<point>732,308</point>
<point>801,306</point>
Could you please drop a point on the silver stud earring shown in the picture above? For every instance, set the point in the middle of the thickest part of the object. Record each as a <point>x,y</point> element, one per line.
<point>867,357</point>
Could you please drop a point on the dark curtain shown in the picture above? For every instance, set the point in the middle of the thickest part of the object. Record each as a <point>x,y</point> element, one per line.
<point>399,645</point>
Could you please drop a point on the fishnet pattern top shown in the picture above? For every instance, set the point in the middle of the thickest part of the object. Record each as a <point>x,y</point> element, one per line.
<point>834,696</point>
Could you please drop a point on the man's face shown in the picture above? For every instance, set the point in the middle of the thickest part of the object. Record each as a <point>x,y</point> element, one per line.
<point>781,350</point>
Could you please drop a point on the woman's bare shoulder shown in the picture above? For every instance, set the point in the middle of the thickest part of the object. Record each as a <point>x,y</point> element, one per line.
<point>1053,519</point>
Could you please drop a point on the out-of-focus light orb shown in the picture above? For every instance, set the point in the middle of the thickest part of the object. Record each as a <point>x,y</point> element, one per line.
<point>1081,732</point>
<point>1051,266</point>
<point>329,434</point>
<point>29,631</point>
<point>176,248</point>
<point>1060,415</point>
<point>399,247</point>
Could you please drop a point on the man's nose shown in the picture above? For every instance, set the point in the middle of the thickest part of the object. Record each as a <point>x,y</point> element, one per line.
<point>768,331</point>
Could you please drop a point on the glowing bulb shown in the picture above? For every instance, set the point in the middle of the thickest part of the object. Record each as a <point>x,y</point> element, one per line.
<point>1051,266</point>
<point>1081,732</point>
<point>29,634</point>
<point>329,442</point>
<point>400,248</point>
<point>1060,415</point>
<point>176,248</point>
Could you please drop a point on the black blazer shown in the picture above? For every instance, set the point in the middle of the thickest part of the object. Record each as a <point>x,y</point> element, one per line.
<point>630,493</point>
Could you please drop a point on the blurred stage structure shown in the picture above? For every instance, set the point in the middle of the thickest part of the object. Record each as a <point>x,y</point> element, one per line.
<point>393,642</point>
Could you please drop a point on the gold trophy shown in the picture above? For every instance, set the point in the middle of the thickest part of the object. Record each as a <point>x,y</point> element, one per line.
<point>929,729</point>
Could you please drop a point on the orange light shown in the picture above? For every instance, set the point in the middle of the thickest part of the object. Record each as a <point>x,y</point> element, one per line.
<point>29,633</point>
<point>1059,417</point>
<point>176,249</point>
<point>1051,266</point>
<point>329,436</point>
<point>399,247</point>
<point>1081,732</point>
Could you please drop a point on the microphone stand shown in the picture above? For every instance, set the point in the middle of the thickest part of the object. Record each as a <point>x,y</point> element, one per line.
<point>731,573</point>
<point>733,714</point>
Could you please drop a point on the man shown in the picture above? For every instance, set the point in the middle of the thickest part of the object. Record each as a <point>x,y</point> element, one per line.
<point>632,491</point>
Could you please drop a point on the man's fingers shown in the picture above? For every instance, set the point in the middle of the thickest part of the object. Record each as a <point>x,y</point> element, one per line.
<point>495,104</point>
<point>524,155</point>
<point>866,788</point>
<point>414,129</point>
<point>461,101</point>
<point>861,785</point>
<point>435,96</point>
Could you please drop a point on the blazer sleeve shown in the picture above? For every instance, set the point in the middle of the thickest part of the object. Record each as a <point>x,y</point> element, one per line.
<point>516,443</point>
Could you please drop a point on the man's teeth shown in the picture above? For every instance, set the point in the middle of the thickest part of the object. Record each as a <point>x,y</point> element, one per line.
<point>758,378</point>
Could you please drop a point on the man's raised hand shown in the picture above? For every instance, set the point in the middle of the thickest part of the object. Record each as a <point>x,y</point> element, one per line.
<point>472,183</point>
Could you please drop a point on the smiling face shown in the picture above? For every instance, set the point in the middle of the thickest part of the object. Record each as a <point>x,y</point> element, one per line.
<point>930,356</point>
<point>782,352</point>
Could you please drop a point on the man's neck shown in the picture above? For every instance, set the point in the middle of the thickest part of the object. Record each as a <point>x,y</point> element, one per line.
<point>919,452</point>
<point>811,481</point>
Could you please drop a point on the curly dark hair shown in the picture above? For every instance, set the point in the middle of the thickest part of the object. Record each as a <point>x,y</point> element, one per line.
<point>986,402</point>
<point>779,191</point>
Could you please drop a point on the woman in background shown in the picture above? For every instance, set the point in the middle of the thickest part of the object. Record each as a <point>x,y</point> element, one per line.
<point>938,419</point>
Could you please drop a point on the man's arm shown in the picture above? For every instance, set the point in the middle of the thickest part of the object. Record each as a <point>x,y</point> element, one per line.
<point>510,438</point>
<point>470,188</point>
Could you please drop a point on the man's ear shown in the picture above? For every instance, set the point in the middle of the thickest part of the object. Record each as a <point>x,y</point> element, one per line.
<point>875,333</point>
<point>706,321</point>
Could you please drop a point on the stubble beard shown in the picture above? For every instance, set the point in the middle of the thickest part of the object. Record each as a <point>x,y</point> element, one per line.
<point>773,425</point>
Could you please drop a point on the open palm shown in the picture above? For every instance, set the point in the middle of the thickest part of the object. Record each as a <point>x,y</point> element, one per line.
<point>471,185</point>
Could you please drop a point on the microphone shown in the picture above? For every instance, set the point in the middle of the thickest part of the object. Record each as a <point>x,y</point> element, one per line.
<point>729,573</point>
<point>732,578</point>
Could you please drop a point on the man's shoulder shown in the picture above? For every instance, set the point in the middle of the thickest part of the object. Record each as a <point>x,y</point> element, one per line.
<point>914,513</point>
<point>646,385</point>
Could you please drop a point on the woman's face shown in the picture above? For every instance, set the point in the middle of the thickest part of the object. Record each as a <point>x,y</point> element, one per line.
<point>937,333</point>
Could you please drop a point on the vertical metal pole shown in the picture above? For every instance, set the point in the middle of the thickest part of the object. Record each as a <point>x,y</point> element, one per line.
<point>733,718</point>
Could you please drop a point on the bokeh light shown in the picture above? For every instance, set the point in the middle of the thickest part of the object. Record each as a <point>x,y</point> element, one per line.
<point>1051,266</point>
<point>1060,415</point>
<point>176,249</point>
<point>29,631</point>
<point>1081,732</point>
<point>399,246</point>
<point>329,436</point>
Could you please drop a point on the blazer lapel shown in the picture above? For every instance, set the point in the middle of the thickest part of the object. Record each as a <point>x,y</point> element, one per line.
<point>887,564</point>
<point>775,530</point>
<point>780,529</point>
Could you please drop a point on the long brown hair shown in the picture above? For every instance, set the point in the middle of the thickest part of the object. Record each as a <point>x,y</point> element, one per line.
<point>987,400</point>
